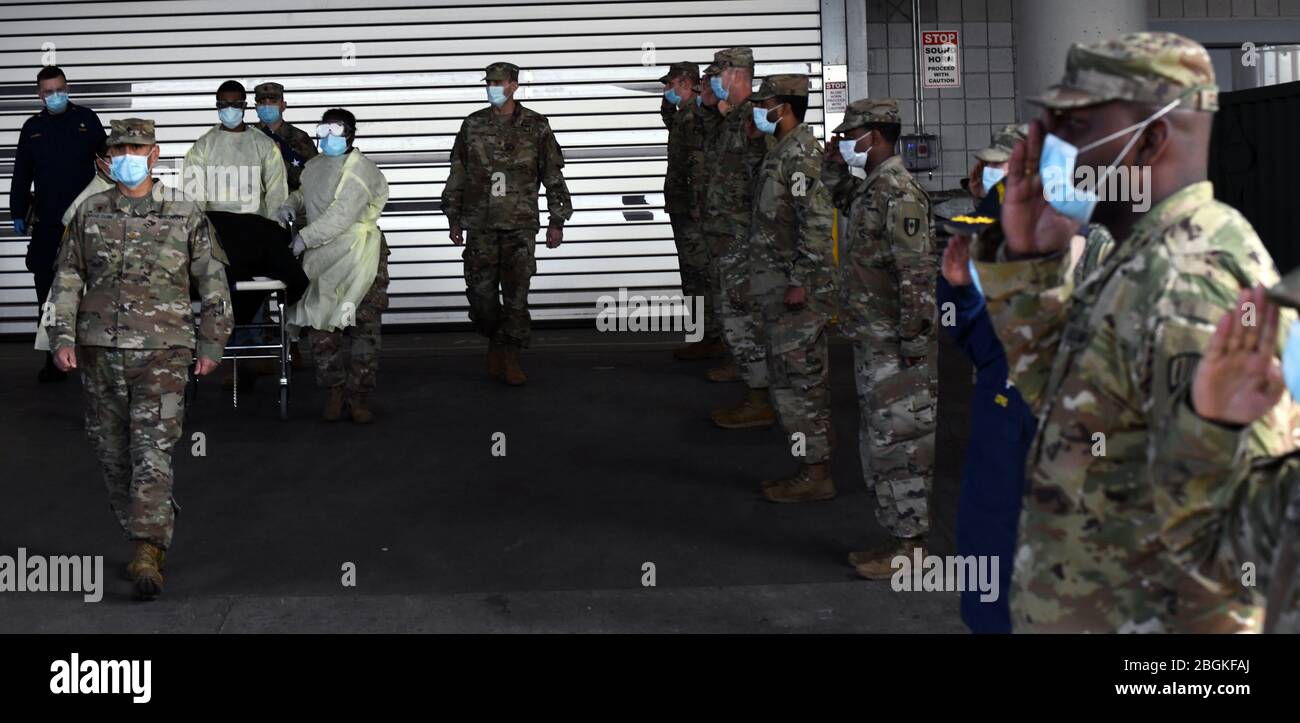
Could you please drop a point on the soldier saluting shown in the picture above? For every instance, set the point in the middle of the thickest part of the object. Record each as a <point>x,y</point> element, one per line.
<point>888,277</point>
<point>1107,364</point>
<point>120,312</point>
<point>501,155</point>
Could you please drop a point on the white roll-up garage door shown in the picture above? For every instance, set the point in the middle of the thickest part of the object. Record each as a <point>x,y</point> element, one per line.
<point>410,71</point>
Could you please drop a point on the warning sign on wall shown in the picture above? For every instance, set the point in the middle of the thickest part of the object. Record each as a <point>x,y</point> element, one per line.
<point>837,95</point>
<point>939,64</point>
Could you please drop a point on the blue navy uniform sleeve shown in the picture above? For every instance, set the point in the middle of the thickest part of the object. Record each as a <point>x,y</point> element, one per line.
<point>20,186</point>
<point>973,330</point>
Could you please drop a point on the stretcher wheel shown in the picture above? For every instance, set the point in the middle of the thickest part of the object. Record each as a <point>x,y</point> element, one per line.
<point>284,401</point>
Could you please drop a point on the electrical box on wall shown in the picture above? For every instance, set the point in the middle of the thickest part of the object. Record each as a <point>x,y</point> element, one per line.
<point>920,151</point>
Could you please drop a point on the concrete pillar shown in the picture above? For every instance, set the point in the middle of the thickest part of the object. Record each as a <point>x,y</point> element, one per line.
<point>1045,29</point>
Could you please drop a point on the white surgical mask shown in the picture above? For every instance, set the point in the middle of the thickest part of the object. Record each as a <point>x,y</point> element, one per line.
<point>991,176</point>
<point>851,156</point>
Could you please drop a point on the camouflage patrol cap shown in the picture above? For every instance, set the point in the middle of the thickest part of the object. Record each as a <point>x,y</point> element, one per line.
<point>1287,291</point>
<point>501,72</point>
<point>690,70</point>
<point>1003,142</point>
<point>741,57</point>
<point>131,131</point>
<point>868,110</point>
<point>268,91</point>
<point>782,84</point>
<point>1155,68</point>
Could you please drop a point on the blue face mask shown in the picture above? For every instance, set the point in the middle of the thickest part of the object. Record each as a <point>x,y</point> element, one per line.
<point>496,95</point>
<point>268,114</point>
<point>1291,361</point>
<point>56,102</point>
<point>231,117</point>
<point>333,146</point>
<point>762,123</point>
<point>1056,165</point>
<point>671,96</point>
<point>715,82</point>
<point>130,170</point>
<point>991,176</point>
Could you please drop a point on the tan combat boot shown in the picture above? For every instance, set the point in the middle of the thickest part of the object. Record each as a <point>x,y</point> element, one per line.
<point>514,374</point>
<point>145,570</point>
<point>702,349</point>
<point>811,483</point>
<point>877,563</point>
<point>361,413</point>
<point>333,410</point>
<point>496,363</point>
<point>728,372</point>
<point>755,411</point>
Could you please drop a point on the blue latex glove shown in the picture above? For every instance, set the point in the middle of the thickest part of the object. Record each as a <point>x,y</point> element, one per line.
<point>20,227</point>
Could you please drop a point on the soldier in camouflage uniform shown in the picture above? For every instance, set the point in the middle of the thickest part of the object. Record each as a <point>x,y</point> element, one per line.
<point>710,120</point>
<point>1105,364</point>
<point>121,313</point>
<point>792,279</point>
<point>1236,521</point>
<point>734,155</point>
<point>296,146</point>
<point>683,186</point>
<point>888,276</point>
<point>499,157</point>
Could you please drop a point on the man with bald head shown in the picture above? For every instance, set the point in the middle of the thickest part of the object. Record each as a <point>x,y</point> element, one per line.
<point>1106,364</point>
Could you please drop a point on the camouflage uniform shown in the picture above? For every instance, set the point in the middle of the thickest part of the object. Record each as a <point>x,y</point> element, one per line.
<point>1233,510</point>
<point>1103,364</point>
<point>733,159</point>
<point>790,238</point>
<point>496,165</point>
<point>296,146</point>
<point>122,297</point>
<point>683,183</point>
<point>887,306</point>
<point>349,357</point>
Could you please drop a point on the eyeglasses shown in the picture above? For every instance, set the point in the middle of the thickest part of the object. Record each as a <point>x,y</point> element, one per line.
<point>331,129</point>
<point>223,104</point>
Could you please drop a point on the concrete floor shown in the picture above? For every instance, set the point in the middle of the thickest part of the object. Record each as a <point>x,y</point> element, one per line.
<point>611,463</point>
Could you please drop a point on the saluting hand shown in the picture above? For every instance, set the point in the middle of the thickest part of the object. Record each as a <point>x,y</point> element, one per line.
<point>1239,379</point>
<point>1031,225</point>
<point>956,261</point>
<point>832,150</point>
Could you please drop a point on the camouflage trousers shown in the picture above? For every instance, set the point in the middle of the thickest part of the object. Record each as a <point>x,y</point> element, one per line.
<point>897,405</point>
<point>135,409</point>
<point>798,371</point>
<point>498,268</point>
<point>349,357</point>
<point>742,321</point>
<point>693,264</point>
